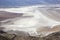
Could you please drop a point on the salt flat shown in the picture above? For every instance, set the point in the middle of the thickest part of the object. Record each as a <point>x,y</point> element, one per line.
<point>40,18</point>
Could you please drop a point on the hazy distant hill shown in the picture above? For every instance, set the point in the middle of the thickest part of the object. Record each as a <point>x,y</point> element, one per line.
<point>4,15</point>
<point>14,3</point>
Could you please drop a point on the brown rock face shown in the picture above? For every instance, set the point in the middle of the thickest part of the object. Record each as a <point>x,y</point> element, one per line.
<point>53,36</point>
<point>47,29</point>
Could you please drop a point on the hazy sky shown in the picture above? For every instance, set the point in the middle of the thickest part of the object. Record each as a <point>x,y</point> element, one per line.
<point>6,3</point>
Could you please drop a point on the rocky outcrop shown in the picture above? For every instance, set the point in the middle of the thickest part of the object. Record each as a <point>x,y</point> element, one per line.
<point>6,36</point>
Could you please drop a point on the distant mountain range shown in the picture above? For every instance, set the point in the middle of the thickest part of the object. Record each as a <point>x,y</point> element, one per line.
<point>14,3</point>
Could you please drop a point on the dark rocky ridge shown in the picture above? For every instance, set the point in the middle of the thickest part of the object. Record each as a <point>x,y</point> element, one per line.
<point>6,36</point>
